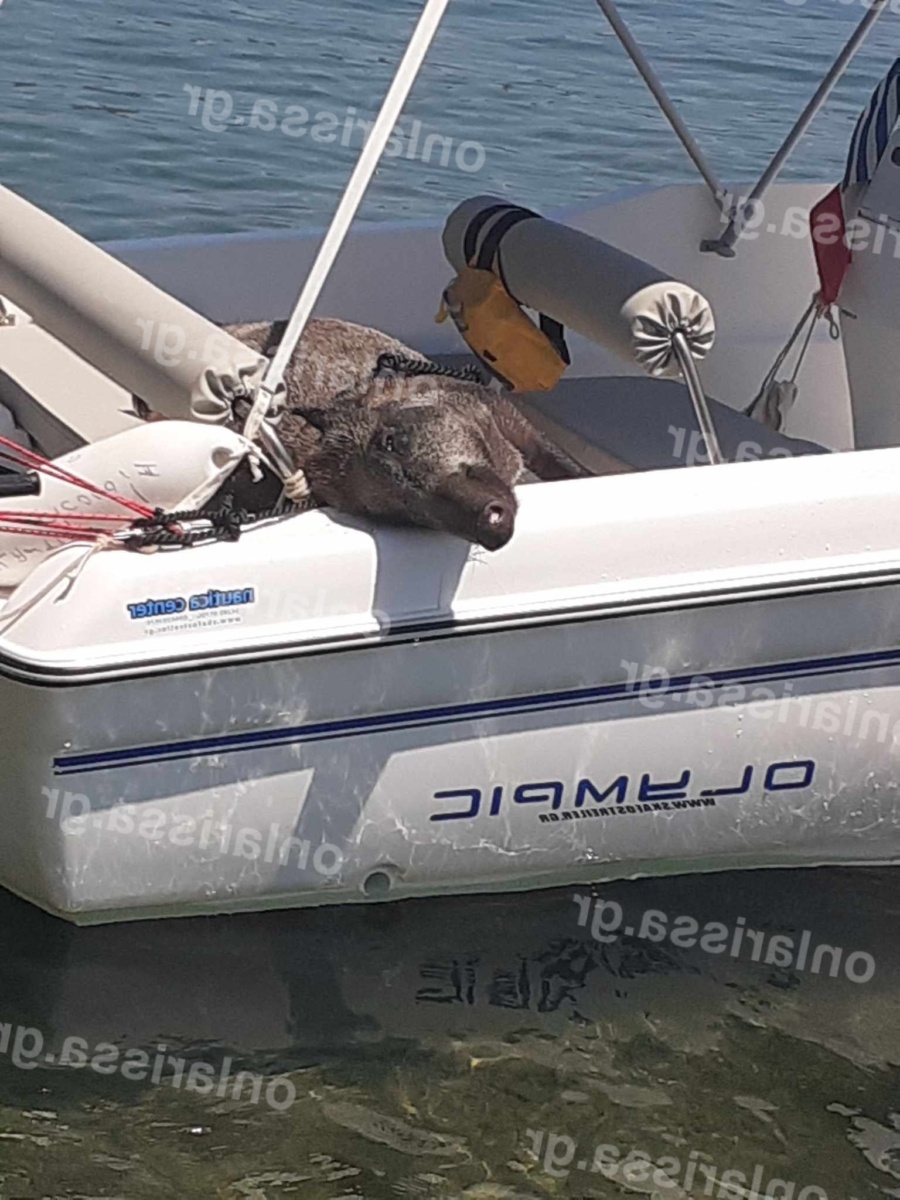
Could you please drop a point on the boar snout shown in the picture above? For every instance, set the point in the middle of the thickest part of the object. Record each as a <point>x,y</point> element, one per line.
<point>439,467</point>
<point>478,505</point>
<point>496,525</point>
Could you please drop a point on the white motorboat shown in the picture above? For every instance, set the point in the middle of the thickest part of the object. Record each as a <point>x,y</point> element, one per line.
<point>691,667</point>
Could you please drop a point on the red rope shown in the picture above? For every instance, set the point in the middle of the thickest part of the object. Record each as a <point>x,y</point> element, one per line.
<point>77,517</point>
<point>32,514</point>
<point>77,535</point>
<point>51,526</point>
<point>28,458</point>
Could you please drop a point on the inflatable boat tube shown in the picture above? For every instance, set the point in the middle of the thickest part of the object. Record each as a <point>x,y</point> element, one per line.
<point>621,303</point>
<point>158,464</point>
<point>149,343</point>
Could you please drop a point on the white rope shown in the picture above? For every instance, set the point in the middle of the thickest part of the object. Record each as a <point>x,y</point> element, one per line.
<point>369,158</point>
<point>775,398</point>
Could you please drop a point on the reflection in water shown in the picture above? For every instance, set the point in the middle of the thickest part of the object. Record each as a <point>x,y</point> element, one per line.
<point>479,1047</point>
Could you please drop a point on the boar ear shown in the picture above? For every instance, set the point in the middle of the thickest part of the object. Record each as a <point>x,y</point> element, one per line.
<point>505,454</point>
<point>541,456</point>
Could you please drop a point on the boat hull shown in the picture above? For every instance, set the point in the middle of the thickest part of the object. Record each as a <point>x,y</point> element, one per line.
<point>576,750</point>
<point>671,671</point>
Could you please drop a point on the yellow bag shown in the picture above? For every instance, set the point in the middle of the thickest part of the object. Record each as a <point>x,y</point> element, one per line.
<point>524,358</point>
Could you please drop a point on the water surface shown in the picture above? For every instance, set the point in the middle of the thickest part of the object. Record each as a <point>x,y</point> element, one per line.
<point>96,100</point>
<point>424,1041</point>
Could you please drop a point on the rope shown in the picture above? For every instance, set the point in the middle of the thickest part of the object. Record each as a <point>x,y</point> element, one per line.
<point>802,355</point>
<point>22,457</point>
<point>31,514</point>
<point>152,528</point>
<point>160,529</point>
<point>164,529</point>
<point>57,525</point>
<point>812,310</point>
<point>147,533</point>
<point>66,535</point>
<point>411,367</point>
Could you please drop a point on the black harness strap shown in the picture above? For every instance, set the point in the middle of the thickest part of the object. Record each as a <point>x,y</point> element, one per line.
<point>555,332</point>
<point>399,364</point>
<point>475,226</point>
<point>490,246</point>
<point>488,258</point>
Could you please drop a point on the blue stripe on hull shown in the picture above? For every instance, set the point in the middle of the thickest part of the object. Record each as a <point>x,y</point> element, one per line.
<point>69,764</point>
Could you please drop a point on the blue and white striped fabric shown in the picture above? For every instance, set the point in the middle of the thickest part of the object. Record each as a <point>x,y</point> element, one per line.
<point>874,129</point>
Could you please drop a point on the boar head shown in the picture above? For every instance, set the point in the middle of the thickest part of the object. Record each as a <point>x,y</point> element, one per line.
<point>431,465</point>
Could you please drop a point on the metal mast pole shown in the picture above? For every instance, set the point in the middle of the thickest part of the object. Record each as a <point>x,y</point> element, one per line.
<point>409,68</point>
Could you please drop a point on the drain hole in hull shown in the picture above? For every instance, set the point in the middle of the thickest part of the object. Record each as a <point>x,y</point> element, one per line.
<point>377,885</point>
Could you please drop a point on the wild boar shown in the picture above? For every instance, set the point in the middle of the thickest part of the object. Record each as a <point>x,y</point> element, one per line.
<point>375,429</point>
<point>371,435</point>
